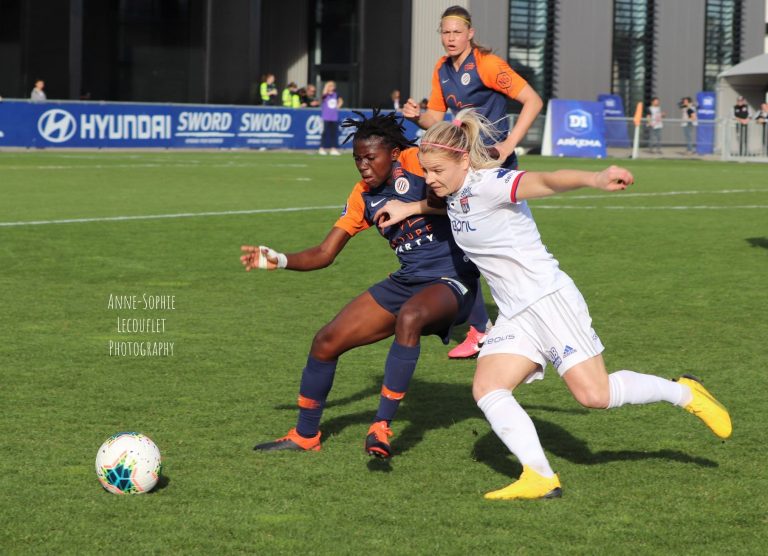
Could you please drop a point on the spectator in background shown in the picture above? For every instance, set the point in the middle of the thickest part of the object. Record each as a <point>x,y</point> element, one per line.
<point>330,113</point>
<point>268,90</point>
<point>302,93</point>
<point>308,98</point>
<point>37,94</point>
<point>395,97</point>
<point>761,118</point>
<point>291,96</point>
<point>741,114</point>
<point>656,124</point>
<point>689,122</point>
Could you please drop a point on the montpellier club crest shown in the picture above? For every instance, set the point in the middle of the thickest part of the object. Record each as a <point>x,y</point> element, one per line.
<point>402,185</point>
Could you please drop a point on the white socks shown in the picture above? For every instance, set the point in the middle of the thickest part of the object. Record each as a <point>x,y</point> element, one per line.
<point>628,387</point>
<point>514,427</point>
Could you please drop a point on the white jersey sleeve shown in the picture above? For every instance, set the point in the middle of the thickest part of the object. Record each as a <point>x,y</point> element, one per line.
<point>498,233</point>
<point>500,187</point>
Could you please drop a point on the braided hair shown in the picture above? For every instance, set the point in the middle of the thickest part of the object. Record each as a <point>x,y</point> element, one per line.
<point>387,127</point>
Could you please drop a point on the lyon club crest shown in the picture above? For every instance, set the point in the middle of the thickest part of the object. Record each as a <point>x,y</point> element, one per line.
<point>464,201</point>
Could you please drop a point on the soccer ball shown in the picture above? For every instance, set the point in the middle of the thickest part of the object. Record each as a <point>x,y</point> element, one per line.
<point>128,463</point>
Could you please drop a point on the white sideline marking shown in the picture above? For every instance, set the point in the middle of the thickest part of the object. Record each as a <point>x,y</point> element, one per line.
<point>337,207</point>
<point>161,216</point>
<point>326,207</point>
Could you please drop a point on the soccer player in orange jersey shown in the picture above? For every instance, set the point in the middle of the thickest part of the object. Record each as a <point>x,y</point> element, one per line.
<point>469,75</point>
<point>433,289</point>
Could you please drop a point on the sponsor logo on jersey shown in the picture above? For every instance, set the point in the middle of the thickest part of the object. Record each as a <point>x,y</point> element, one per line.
<point>497,339</point>
<point>402,185</point>
<point>466,191</point>
<point>501,172</point>
<point>377,202</point>
<point>465,78</point>
<point>469,67</point>
<point>568,350</point>
<point>459,226</point>
<point>554,358</point>
<point>504,80</point>
<point>397,172</point>
<point>344,210</point>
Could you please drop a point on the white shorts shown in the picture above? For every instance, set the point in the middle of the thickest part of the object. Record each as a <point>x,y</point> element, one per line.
<point>556,329</point>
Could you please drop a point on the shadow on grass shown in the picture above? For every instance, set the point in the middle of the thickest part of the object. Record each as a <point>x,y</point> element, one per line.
<point>758,242</point>
<point>434,405</point>
<point>555,439</point>
<point>162,482</point>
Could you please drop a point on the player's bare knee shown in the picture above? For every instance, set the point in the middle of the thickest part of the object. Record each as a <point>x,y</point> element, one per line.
<point>411,321</point>
<point>593,398</point>
<point>324,345</point>
<point>481,388</point>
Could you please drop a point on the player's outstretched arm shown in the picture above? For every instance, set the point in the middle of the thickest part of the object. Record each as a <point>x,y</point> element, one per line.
<point>264,258</point>
<point>534,185</point>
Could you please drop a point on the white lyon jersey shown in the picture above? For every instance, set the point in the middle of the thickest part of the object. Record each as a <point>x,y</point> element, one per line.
<point>499,235</point>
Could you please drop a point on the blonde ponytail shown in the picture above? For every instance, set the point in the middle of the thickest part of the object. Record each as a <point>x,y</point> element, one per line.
<point>464,135</point>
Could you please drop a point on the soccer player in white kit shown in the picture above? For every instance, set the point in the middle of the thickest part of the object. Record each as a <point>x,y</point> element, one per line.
<point>543,317</point>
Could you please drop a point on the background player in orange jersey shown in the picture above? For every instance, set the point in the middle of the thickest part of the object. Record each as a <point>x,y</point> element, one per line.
<point>433,289</point>
<point>469,75</point>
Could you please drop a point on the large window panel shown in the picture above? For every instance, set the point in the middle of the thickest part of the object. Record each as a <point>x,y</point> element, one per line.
<point>722,39</point>
<point>532,43</point>
<point>633,51</point>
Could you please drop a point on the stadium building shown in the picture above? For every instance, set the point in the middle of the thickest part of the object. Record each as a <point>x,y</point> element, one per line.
<point>205,51</point>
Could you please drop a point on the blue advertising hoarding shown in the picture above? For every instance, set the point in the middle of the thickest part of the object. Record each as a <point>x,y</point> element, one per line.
<point>134,125</point>
<point>616,134</point>
<point>705,131</point>
<point>577,128</point>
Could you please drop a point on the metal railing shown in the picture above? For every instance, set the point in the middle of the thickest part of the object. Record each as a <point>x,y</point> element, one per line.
<point>724,139</point>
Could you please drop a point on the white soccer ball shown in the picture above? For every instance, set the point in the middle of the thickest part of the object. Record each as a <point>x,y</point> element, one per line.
<point>128,463</point>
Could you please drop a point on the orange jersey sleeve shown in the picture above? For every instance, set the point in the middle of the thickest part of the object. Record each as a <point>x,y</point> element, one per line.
<point>436,101</point>
<point>497,75</point>
<point>409,159</point>
<point>353,219</point>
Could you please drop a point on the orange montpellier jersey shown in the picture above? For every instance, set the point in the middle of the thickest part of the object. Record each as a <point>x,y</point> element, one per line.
<point>483,81</point>
<point>353,219</point>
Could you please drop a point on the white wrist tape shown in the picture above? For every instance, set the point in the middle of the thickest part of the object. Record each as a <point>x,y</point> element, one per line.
<point>282,260</point>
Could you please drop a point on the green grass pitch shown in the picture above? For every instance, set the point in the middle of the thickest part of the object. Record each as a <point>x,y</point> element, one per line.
<point>674,272</point>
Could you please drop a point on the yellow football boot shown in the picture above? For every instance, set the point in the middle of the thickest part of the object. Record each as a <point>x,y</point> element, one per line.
<point>706,407</point>
<point>529,486</point>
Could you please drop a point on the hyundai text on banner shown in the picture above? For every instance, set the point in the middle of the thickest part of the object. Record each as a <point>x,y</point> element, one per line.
<point>575,128</point>
<point>129,125</point>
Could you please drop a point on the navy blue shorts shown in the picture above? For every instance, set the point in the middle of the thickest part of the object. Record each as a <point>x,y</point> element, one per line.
<point>391,294</point>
